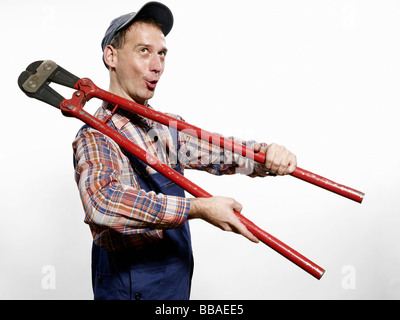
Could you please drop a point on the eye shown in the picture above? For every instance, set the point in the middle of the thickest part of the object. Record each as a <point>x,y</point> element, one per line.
<point>144,50</point>
<point>162,54</point>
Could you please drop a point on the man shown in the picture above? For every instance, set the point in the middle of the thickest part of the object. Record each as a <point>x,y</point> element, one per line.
<point>138,218</point>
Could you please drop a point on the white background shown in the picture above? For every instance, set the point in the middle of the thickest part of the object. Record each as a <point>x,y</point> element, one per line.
<point>320,77</point>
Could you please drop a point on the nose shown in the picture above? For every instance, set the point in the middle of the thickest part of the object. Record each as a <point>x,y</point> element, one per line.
<point>156,64</point>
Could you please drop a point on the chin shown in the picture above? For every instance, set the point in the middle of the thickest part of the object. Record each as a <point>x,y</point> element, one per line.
<point>148,96</point>
<point>143,99</point>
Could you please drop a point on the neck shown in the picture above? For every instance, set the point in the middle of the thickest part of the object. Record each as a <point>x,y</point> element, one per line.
<point>121,93</point>
<point>116,89</point>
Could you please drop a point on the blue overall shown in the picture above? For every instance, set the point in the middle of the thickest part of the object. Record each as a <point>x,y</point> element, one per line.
<point>160,271</point>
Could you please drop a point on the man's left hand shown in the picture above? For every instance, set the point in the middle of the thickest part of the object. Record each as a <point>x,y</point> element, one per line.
<point>278,159</point>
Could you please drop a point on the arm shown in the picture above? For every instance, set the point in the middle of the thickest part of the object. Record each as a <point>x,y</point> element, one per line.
<point>111,198</point>
<point>202,155</point>
<point>219,210</point>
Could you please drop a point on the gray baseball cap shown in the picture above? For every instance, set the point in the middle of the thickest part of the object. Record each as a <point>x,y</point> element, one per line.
<point>151,9</point>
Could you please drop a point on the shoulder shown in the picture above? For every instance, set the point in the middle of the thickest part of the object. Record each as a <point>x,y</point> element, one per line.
<point>175,116</point>
<point>89,138</point>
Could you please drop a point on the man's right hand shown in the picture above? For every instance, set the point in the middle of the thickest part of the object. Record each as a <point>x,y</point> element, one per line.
<point>219,211</point>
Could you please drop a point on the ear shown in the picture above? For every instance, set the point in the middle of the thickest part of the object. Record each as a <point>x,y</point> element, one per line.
<point>110,56</point>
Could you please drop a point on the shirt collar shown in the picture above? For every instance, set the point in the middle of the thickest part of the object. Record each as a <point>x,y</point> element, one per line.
<point>120,119</point>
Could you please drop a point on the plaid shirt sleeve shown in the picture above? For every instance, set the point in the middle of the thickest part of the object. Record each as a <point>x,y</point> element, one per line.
<point>112,198</point>
<point>195,153</point>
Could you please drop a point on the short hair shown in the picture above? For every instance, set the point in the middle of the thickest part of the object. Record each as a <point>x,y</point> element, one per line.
<point>118,40</point>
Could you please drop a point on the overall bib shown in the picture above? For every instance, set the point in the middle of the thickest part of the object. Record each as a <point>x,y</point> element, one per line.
<point>160,271</point>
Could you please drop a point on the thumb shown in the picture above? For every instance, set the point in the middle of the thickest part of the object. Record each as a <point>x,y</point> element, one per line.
<point>236,206</point>
<point>256,147</point>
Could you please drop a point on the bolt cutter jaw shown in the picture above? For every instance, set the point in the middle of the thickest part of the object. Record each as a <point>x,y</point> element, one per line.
<point>35,80</point>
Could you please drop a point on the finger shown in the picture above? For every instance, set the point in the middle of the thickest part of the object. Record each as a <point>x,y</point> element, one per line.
<point>277,161</point>
<point>269,156</point>
<point>292,165</point>
<point>256,147</point>
<point>240,228</point>
<point>250,236</point>
<point>283,166</point>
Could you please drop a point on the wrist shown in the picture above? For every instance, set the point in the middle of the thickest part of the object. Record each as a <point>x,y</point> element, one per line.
<point>197,206</point>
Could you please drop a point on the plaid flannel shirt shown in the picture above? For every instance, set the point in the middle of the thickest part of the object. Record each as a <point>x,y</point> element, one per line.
<point>120,214</point>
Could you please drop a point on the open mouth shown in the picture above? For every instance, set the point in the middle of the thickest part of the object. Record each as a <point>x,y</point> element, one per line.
<point>151,85</point>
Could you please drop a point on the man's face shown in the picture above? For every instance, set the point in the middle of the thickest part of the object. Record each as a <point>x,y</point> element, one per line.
<point>140,63</point>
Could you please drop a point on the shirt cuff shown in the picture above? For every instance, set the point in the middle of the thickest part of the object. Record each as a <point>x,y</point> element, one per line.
<point>176,211</point>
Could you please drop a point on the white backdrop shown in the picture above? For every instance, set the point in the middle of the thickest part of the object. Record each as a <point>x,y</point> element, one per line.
<point>320,77</point>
